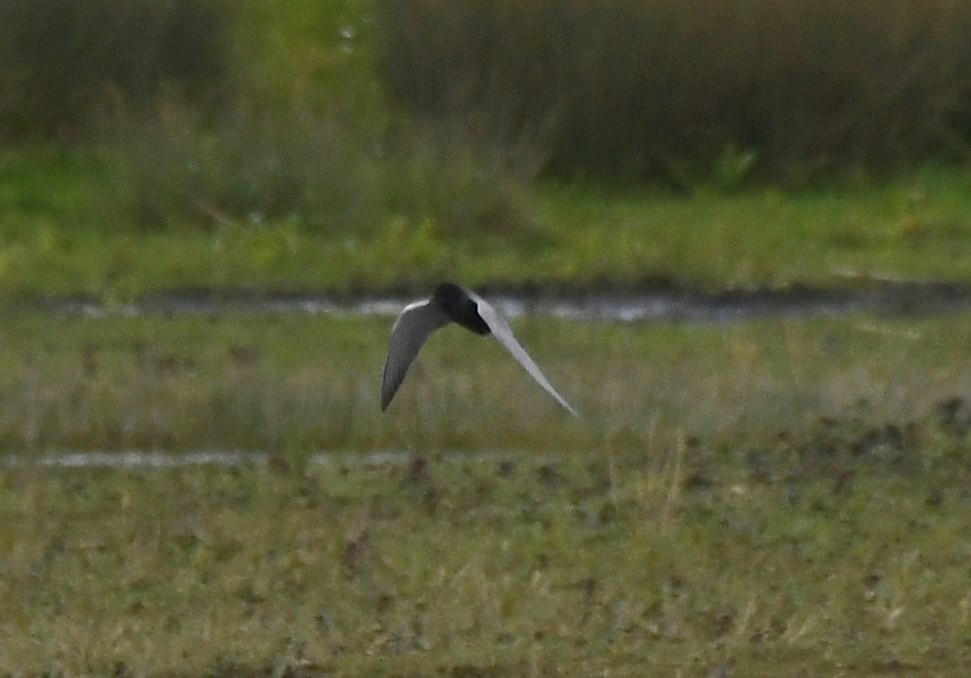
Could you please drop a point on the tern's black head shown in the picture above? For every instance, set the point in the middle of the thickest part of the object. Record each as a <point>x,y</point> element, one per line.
<point>459,307</point>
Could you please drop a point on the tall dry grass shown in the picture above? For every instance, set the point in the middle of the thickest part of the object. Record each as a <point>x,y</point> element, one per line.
<point>671,89</point>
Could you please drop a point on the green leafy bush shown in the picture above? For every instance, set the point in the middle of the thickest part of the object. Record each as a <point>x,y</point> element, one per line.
<point>637,88</point>
<point>62,60</point>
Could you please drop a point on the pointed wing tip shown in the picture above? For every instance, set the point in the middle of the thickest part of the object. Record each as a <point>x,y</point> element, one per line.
<point>388,392</point>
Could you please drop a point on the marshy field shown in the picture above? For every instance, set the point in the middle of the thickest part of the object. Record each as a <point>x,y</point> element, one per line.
<point>196,479</point>
<point>757,497</point>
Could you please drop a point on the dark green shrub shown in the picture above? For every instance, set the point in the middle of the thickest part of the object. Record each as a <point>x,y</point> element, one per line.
<point>650,87</point>
<point>62,60</point>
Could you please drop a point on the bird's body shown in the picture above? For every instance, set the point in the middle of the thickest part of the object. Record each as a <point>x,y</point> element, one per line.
<point>460,306</point>
<point>450,303</point>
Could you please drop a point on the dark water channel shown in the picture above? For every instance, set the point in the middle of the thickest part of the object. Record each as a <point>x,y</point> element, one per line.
<point>588,306</point>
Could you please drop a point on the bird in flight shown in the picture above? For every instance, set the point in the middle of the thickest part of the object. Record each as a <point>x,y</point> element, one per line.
<point>451,303</point>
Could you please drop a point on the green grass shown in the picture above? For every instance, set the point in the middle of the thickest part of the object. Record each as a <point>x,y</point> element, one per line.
<point>294,384</point>
<point>727,500</point>
<point>57,239</point>
<point>654,562</point>
<point>910,228</point>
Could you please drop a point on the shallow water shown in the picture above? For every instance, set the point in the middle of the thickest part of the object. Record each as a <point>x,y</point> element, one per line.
<point>888,298</point>
<point>133,459</point>
<point>139,459</point>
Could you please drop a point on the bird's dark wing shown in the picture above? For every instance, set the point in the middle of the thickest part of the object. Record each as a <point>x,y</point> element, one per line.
<point>503,333</point>
<point>410,331</point>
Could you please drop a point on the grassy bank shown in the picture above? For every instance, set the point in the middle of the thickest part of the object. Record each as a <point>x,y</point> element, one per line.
<point>57,239</point>
<point>308,179</point>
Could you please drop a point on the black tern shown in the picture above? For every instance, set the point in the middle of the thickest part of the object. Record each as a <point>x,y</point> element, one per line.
<point>450,303</point>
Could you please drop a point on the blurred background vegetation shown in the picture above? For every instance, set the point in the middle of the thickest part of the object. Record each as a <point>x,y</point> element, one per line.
<point>654,89</point>
<point>357,117</point>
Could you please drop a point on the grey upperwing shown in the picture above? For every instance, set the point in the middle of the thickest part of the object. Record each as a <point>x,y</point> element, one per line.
<point>503,333</point>
<point>408,334</point>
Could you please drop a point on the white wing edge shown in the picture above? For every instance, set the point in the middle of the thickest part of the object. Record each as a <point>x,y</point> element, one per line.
<point>503,333</point>
<point>410,331</point>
